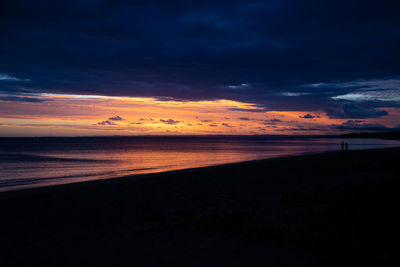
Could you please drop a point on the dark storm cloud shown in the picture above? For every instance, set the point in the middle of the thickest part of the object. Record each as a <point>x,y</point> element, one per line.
<point>281,55</point>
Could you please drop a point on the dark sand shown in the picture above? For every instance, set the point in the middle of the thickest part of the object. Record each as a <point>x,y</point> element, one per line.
<point>331,209</point>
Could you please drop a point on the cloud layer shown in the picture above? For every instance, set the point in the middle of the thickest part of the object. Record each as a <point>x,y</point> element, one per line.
<point>337,57</point>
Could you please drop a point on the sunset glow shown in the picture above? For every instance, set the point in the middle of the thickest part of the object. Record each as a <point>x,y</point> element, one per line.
<point>83,115</point>
<point>250,67</point>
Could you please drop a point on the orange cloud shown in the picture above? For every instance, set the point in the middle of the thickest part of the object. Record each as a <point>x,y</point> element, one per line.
<point>78,115</point>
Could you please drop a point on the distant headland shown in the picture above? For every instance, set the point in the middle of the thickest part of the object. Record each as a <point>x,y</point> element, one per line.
<point>395,135</point>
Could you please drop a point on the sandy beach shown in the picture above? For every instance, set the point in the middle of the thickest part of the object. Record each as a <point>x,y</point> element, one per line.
<point>329,209</point>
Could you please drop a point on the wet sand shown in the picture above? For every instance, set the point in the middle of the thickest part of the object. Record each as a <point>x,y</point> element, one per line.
<point>330,209</point>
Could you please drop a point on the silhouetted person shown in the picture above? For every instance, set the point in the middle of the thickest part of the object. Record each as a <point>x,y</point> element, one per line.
<point>342,146</point>
<point>346,146</point>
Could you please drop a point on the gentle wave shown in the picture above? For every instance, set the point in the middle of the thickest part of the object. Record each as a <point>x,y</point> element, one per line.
<point>28,162</point>
<point>38,158</point>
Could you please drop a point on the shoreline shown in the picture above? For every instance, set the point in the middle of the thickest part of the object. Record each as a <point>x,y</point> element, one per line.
<point>128,178</point>
<point>117,179</point>
<point>332,208</point>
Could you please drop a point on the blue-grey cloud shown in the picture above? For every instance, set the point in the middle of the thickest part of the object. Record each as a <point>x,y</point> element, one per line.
<point>22,99</point>
<point>359,125</point>
<point>8,78</point>
<point>281,55</point>
<point>169,121</point>
<point>245,119</point>
<point>275,120</point>
<point>115,118</point>
<point>106,123</point>
<point>353,110</point>
<point>309,116</point>
<point>248,109</point>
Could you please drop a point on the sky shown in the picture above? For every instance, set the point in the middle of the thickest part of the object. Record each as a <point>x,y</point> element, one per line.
<point>91,67</point>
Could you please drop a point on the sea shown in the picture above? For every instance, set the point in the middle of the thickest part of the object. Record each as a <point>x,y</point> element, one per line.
<point>38,162</point>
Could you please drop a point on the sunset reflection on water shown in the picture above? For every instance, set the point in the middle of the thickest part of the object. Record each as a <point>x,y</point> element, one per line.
<point>31,162</point>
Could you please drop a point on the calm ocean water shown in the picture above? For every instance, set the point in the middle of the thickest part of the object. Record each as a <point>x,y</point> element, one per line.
<point>33,162</point>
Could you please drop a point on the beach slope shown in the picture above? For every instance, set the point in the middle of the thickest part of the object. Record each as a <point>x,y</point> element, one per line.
<point>330,209</point>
